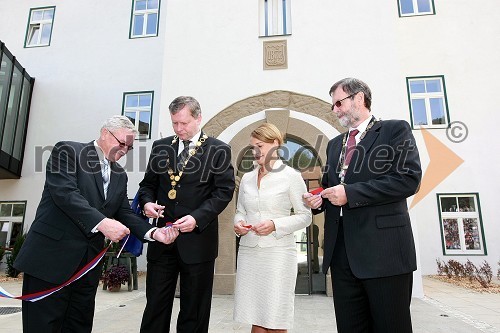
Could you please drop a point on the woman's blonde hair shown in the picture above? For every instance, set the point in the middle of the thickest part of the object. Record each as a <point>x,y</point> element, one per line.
<point>267,132</point>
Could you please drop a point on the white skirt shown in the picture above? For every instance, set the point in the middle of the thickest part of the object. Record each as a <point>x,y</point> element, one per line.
<point>265,286</point>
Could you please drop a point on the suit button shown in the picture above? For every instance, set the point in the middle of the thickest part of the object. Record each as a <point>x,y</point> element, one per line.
<point>176,203</point>
<point>178,185</point>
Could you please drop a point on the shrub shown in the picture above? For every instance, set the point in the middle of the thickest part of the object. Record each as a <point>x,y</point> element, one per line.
<point>2,252</point>
<point>484,275</point>
<point>115,276</point>
<point>11,271</point>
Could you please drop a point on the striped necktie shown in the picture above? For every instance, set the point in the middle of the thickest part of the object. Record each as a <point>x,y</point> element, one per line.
<point>105,176</point>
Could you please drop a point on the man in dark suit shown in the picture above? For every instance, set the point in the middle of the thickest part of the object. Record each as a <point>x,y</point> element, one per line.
<point>369,243</point>
<point>189,181</point>
<point>84,201</point>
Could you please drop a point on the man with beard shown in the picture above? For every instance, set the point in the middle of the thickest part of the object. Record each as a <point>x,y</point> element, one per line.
<point>369,247</point>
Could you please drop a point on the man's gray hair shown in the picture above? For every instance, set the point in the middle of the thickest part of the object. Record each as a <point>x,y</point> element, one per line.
<point>353,86</point>
<point>180,102</point>
<point>119,122</point>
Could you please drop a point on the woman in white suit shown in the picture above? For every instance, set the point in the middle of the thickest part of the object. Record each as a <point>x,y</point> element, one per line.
<point>267,259</point>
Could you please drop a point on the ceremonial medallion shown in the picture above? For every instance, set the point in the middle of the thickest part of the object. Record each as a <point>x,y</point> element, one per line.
<point>172,194</point>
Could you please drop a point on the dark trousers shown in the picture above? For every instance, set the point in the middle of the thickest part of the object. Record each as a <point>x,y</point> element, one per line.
<point>70,309</point>
<point>378,305</point>
<point>196,282</point>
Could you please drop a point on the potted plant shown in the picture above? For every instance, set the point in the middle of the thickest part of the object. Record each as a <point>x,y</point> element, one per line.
<point>115,276</point>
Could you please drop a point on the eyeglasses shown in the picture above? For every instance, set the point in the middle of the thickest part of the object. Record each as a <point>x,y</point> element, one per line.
<point>121,143</point>
<point>339,102</point>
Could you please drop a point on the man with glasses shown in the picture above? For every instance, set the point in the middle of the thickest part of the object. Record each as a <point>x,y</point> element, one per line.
<point>369,247</point>
<point>84,201</point>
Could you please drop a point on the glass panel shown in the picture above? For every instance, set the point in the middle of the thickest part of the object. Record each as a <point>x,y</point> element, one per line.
<point>16,231</point>
<point>419,112</point>
<point>12,110</point>
<point>21,120</point>
<point>48,14</point>
<point>424,6</point>
<point>466,204</point>
<point>138,24</point>
<point>451,236</point>
<point>33,36</point>
<point>6,68</point>
<point>448,204</point>
<point>4,229</point>
<point>406,6</point>
<point>437,111</point>
<point>151,24</point>
<point>433,85</point>
<point>152,4</point>
<point>140,5</point>
<point>131,101</point>
<point>145,100</point>
<point>417,87</point>
<point>471,232</point>
<point>144,122</point>
<point>36,15</point>
<point>18,210</point>
<point>6,210</point>
<point>131,116</point>
<point>46,29</point>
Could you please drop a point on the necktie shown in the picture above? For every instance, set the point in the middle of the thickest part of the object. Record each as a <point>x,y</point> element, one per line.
<point>105,176</point>
<point>351,144</point>
<point>184,154</point>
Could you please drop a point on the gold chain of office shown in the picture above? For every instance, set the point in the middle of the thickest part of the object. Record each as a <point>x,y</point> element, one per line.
<point>175,178</point>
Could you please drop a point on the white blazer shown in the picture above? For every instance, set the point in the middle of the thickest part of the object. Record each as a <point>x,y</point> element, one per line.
<point>280,190</point>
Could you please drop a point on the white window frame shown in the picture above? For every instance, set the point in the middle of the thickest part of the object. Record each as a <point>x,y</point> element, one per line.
<point>38,25</point>
<point>275,18</point>
<point>460,215</point>
<point>138,110</point>
<point>427,96</point>
<point>7,222</point>
<point>415,9</point>
<point>145,14</point>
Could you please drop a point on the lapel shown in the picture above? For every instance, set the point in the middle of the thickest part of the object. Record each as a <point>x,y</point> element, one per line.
<point>336,148</point>
<point>362,149</point>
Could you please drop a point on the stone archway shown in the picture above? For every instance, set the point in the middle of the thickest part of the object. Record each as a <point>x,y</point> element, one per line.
<point>277,106</point>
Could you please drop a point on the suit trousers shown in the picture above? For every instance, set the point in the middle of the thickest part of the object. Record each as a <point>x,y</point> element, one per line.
<point>196,283</point>
<point>70,309</point>
<point>376,305</point>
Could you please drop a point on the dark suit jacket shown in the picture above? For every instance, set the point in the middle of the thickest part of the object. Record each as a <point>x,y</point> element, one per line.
<point>71,206</point>
<point>204,190</point>
<point>384,171</point>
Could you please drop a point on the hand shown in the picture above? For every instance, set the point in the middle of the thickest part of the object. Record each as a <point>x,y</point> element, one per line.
<point>112,229</point>
<point>313,201</point>
<point>153,210</point>
<point>264,228</point>
<point>336,195</point>
<point>166,235</point>
<point>239,228</point>
<point>185,224</point>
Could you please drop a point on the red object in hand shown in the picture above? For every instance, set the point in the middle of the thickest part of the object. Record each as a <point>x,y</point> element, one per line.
<point>168,225</point>
<point>248,226</point>
<point>316,191</point>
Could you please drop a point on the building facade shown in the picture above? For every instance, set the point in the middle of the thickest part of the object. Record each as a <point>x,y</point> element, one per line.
<point>432,63</point>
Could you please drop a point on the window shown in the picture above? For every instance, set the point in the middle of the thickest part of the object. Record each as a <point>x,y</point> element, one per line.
<point>461,226</point>
<point>138,108</point>
<point>11,222</point>
<point>428,104</point>
<point>275,17</point>
<point>145,18</point>
<point>416,7</point>
<point>40,27</point>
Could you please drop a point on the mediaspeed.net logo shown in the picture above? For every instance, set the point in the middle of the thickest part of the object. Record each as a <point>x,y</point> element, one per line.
<point>442,160</point>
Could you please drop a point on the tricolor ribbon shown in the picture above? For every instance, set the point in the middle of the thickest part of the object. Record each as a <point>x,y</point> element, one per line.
<point>42,294</point>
